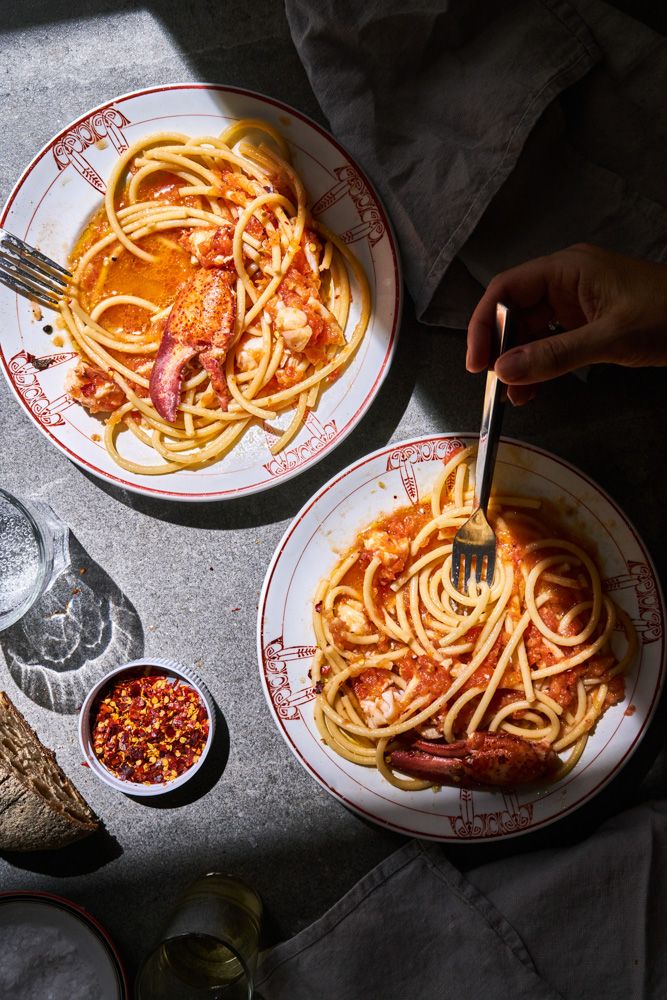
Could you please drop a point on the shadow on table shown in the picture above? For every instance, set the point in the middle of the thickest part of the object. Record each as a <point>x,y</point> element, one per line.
<point>297,880</point>
<point>79,858</point>
<point>203,781</point>
<point>283,501</point>
<point>76,632</point>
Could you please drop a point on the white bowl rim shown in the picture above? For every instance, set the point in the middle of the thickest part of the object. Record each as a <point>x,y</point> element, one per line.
<point>184,673</point>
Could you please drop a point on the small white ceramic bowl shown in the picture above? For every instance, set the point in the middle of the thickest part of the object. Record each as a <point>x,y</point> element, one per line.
<point>171,669</point>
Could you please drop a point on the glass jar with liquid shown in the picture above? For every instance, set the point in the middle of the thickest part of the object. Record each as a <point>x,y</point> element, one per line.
<point>34,550</point>
<point>210,946</point>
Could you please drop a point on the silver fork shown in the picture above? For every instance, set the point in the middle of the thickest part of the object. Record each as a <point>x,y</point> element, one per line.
<point>475,542</point>
<point>30,272</point>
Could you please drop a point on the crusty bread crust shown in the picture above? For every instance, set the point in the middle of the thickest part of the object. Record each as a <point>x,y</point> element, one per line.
<point>29,823</point>
<point>40,809</point>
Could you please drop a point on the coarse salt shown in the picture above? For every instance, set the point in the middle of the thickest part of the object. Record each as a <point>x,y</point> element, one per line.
<point>42,962</point>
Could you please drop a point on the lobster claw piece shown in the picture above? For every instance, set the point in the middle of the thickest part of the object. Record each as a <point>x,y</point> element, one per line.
<point>167,375</point>
<point>201,321</point>
<point>484,759</point>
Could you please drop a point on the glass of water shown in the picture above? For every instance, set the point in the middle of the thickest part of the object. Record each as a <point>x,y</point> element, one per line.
<point>210,946</point>
<point>34,550</point>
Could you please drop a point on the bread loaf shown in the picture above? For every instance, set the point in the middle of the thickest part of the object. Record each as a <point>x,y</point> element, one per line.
<point>40,809</point>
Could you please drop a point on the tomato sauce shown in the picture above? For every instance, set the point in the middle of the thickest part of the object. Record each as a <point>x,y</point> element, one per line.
<point>157,281</point>
<point>433,678</point>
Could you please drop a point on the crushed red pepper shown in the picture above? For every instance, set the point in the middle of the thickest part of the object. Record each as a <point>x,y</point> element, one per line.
<point>150,728</point>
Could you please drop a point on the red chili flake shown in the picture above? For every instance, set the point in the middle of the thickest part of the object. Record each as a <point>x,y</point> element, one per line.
<point>84,763</point>
<point>318,607</point>
<point>319,687</point>
<point>150,728</point>
<point>325,669</point>
<point>236,609</point>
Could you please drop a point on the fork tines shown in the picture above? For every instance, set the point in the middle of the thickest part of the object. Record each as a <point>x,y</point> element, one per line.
<point>482,568</point>
<point>30,272</point>
<point>474,545</point>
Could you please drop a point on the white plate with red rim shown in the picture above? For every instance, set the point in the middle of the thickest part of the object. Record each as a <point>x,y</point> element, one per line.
<point>65,183</point>
<point>68,938</point>
<point>326,528</point>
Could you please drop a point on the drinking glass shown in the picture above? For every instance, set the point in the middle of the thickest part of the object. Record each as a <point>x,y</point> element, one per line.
<point>209,948</point>
<point>34,550</point>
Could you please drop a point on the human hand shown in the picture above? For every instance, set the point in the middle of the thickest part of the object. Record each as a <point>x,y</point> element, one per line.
<point>576,307</point>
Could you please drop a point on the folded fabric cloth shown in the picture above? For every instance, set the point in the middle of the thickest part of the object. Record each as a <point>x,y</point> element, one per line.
<point>575,923</point>
<point>414,927</point>
<point>494,130</point>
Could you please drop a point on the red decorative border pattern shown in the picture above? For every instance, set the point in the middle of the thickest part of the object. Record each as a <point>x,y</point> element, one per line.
<point>649,624</point>
<point>292,458</point>
<point>24,374</point>
<point>350,183</point>
<point>404,459</point>
<point>511,819</point>
<point>276,656</point>
<point>69,148</point>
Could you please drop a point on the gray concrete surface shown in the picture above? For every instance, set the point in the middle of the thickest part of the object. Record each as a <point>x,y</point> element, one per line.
<point>256,813</point>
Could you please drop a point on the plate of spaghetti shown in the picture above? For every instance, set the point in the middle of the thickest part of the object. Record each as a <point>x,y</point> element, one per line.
<point>235,293</point>
<point>453,715</point>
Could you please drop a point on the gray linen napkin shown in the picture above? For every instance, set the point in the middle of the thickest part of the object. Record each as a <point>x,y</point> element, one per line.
<point>495,130</point>
<point>576,923</point>
<point>413,928</point>
<point>593,916</point>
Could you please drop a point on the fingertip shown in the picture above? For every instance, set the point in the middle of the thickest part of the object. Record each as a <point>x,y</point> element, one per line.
<point>519,395</point>
<point>512,366</point>
<point>479,345</point>
<point>476,365</point>
<point>473,365</point>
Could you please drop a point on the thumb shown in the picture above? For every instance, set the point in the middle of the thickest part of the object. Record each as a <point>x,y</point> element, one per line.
<point>541,360</point>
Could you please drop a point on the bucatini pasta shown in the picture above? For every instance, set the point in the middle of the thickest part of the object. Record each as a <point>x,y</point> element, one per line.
<point>205,297</point>
<point>433,686</point>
